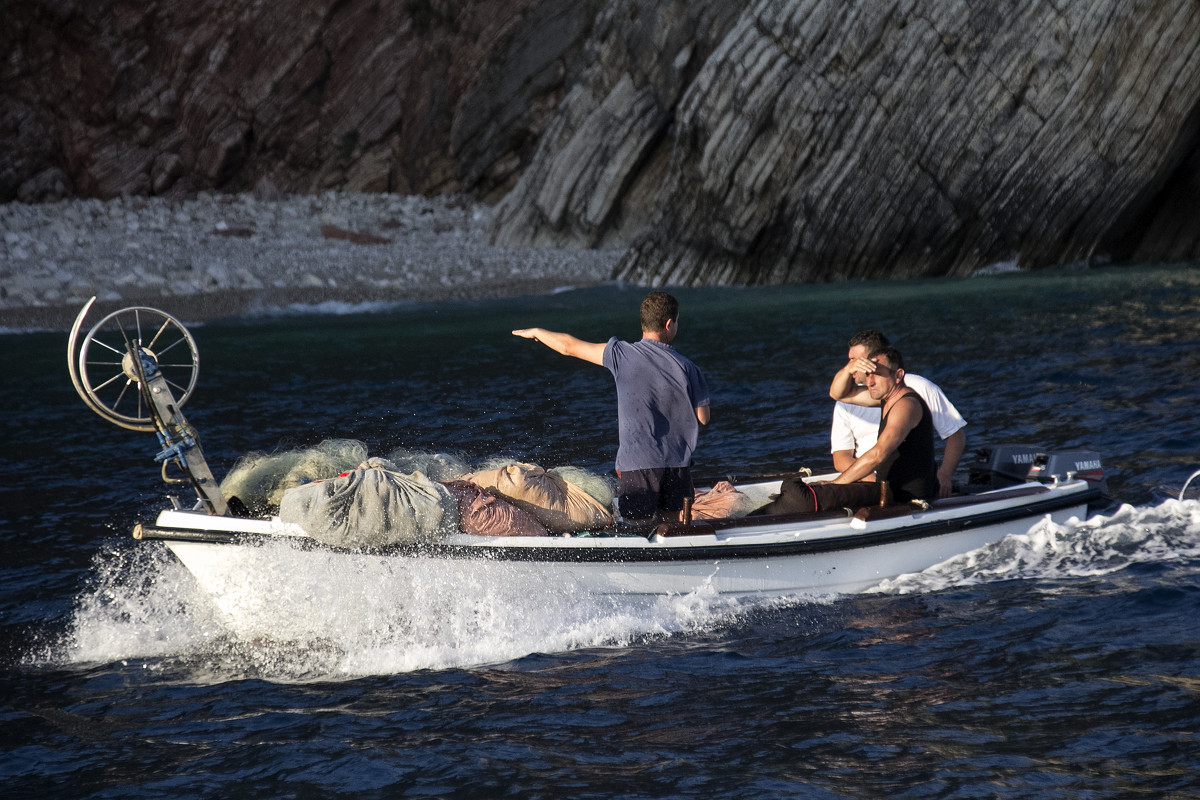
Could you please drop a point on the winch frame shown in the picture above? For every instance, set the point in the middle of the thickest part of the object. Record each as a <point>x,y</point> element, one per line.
<point>134,335</point>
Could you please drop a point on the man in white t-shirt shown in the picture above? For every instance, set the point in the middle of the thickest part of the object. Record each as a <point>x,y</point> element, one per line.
<point>856,427</point>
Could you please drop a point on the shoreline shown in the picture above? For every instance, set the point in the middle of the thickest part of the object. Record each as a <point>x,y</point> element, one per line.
<point>215,256</point>
<point>219,304</point>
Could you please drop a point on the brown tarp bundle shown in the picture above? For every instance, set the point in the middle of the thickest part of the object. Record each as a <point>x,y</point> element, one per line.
<point>560,506</point>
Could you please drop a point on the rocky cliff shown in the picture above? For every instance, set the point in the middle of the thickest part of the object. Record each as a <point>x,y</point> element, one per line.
<point>816,140</point>
<point>775,141</point>
<point>103,97</point>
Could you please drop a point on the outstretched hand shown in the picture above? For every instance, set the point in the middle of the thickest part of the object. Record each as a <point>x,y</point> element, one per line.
<point>564,343</point>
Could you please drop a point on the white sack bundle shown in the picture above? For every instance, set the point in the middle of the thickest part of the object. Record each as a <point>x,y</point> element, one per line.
<point>371,506</point>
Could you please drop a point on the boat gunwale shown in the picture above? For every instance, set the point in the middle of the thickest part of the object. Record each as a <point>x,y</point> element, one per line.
<point>658,549</point>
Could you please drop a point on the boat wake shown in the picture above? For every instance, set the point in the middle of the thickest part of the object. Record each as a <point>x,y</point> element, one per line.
<point>1101,545</point>
<point>335,620</point>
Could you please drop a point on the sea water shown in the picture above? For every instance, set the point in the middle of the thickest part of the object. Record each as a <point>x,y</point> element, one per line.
<point>1063,662</point>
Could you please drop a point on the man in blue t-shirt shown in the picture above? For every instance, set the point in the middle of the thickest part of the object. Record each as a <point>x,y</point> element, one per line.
<point>662,399</point>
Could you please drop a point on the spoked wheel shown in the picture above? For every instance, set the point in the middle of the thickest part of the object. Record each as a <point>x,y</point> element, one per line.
<point>124,348</point>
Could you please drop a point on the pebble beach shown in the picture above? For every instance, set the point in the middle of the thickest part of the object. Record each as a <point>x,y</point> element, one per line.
<point>216,255</point>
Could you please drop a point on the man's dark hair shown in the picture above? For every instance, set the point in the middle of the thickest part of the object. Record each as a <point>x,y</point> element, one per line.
<point>657,308</point>
<point>872,340</point>
<point>894,359</point>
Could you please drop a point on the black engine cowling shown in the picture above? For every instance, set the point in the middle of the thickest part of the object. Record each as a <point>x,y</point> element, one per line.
<point>1004,465</point>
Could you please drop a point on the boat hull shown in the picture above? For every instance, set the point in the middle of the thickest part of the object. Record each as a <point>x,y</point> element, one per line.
<point>249,568</point>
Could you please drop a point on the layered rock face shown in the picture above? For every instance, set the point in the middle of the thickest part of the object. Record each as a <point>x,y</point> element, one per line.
<point>775,141</point>
<point>103,98</point>
<point>603,157</point>
<point>825,141</point>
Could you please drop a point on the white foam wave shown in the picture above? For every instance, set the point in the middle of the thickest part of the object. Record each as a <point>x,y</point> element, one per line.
<point>1166,533</point>
<point>5,330</point>
<point>338,308</point>
<point>319,616</point>
<point>142,603</point>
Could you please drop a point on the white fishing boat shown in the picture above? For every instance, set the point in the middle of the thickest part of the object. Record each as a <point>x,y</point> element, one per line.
<point>132,364</point>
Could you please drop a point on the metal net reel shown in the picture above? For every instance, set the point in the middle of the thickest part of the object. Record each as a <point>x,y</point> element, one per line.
<point>136,368</point>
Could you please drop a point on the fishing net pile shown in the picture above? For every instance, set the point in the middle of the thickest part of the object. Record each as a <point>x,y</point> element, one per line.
<point>341,497</point>
<point>260,479</point>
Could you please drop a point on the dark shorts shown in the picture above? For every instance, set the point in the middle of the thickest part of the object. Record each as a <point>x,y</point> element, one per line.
<point>641,493</point>
<point>796,496</point>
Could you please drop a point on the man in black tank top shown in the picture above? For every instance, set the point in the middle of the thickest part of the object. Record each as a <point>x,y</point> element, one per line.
<point>903,455</point>
<point>911,469</point>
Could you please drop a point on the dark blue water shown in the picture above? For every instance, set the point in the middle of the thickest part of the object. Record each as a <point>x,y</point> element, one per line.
<point>1063,663</point>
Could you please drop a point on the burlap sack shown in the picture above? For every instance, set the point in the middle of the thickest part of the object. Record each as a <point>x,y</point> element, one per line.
<point>559,505</point>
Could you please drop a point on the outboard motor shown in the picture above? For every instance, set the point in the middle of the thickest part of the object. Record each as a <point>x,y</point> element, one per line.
<point>1002,465</point>
<point>1005,465</point>
<point>1063,464</point>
